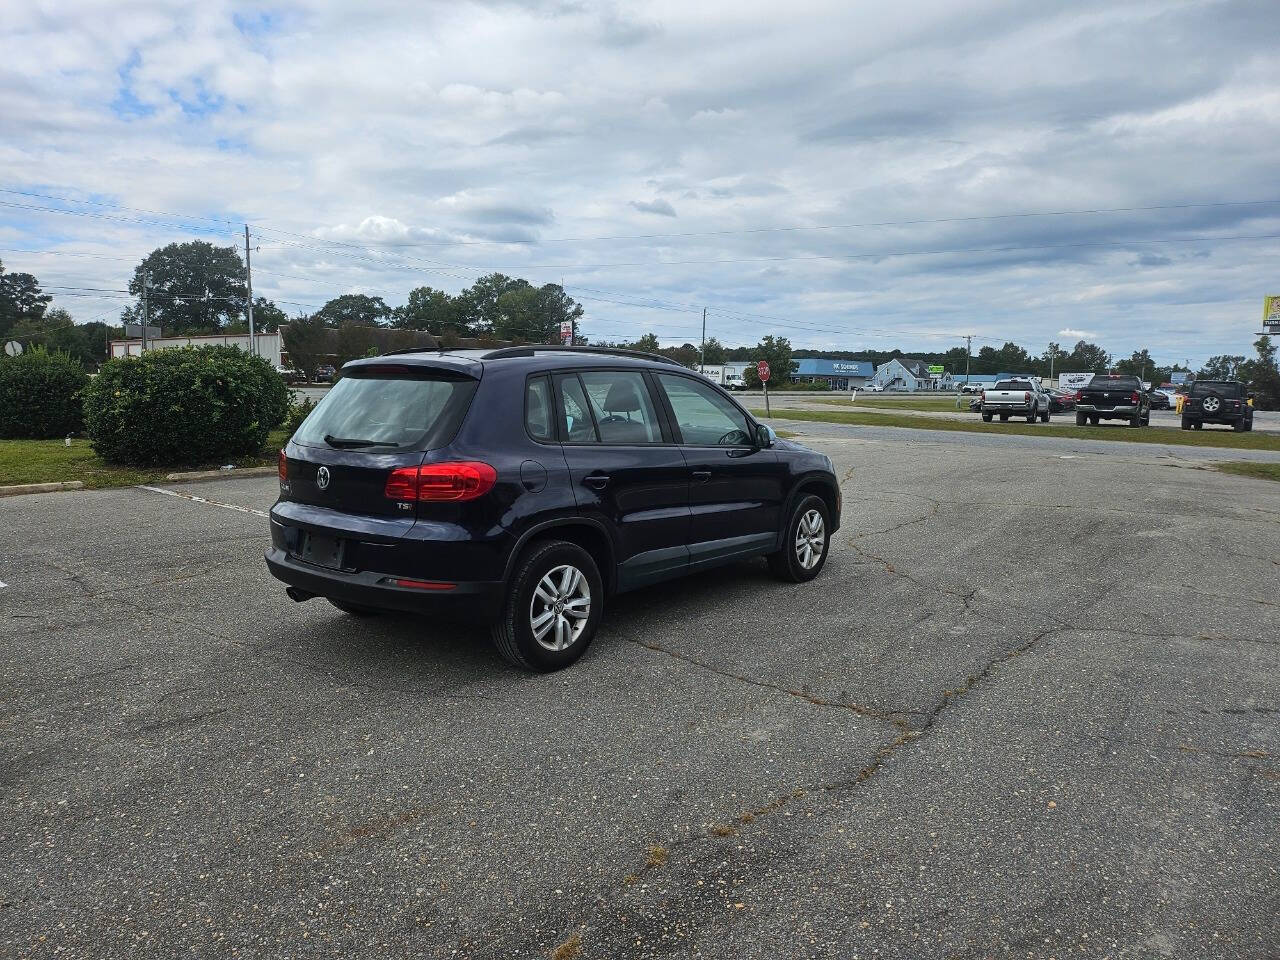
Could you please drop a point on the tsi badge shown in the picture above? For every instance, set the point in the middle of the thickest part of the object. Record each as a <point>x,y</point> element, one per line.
<point>322,478</point>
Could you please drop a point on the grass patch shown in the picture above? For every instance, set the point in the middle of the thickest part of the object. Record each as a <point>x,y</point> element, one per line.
<point>1251,468</point>
<point>657,856</point>
<point>1158,435</point>
<point>52,461</point>
<point>943,403</point>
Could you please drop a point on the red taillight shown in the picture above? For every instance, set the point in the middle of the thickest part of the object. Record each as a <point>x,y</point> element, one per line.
<point>982,395</point>
<point>282,467</point>
<point>459,480</point>
<point>1079,396</point>
<point>1134,398</point>
<point>1026,397</point>
<point>422,584</point>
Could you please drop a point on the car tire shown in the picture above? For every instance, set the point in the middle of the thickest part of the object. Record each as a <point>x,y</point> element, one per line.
<point>1044,417</point>
<point>1186,424</point>
<point>1197,425</point>
<point>793,562</point>
<point>986,418</point>
<point>1081,420</point>
<point>1239,426</point>
<point>1031,417</point>
<point>1004,418</point>
<point>1248,427</point>
<point>1093,420</point>
<point>355,609</point>
<point>550,577</point>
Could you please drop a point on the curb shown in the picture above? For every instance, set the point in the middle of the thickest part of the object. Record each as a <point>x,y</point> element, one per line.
<point>196,476</point>
<point>22,488</point>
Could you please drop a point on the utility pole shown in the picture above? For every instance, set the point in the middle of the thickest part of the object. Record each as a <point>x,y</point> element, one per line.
<point>248,279</point>
<point>146,313</point>
<point>968,351</point>
<point>702,354</point>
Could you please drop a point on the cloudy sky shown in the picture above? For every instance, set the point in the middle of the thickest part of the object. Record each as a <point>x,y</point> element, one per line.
<point>850,174</point>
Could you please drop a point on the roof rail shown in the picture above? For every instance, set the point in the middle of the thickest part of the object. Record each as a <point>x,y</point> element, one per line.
<point>528,350</point>
<point>399,353</point>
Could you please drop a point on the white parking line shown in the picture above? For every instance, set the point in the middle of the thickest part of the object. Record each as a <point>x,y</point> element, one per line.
<point>213,503</point>
<point>3,584</point>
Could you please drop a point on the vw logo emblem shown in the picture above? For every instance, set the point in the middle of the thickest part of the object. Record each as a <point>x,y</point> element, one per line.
<point>322,478</point>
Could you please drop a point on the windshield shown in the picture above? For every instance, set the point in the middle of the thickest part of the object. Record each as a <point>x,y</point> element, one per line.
<point>1202,388</point>
<point>386,412</point>
<point>1116,383</point>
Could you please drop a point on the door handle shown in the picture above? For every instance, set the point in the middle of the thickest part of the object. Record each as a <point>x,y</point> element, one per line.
<point>702,476</point>
<point>596,481</point>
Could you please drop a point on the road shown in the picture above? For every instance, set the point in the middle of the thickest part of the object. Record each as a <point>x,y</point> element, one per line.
<point>1031,708</point>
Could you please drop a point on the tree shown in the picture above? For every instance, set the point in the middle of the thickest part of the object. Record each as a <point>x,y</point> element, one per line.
<point>1139,365</point>
<point>647,344</point>
<point>478,303</point>
<point>776,351</point>
<point>1221,367</point>
<point>1262,374</point>
<point>195,288</point>
<point>1086,357</point>
<point>686,354</point>
<point>517,316</point>
<point>713,351</point>
<point>354,308</point>
<point>429,309</point>
<point>21,299</point>
<point>267,317</point>
<point>306,340</point>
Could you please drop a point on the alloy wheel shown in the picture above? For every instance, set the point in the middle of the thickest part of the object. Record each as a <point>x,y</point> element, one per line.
<point>810,539</point>
<point>560,608</point>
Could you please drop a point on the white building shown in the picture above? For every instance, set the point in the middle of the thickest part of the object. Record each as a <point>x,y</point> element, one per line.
<point>269,346</point>
<point>910,376</point>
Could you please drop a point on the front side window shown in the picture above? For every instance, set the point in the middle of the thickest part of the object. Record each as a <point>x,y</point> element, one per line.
<point>622,406</point>
<point>705,417</point>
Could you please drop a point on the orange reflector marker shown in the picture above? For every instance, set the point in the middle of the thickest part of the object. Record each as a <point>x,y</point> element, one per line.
<point>422,584</point>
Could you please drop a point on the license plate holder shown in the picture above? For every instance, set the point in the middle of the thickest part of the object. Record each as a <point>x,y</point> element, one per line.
<point>321,550</point>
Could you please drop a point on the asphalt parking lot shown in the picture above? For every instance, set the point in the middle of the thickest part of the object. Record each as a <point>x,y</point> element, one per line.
<point>1031,708</point>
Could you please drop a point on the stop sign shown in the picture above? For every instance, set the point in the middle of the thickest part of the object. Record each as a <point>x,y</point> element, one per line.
<point>762,370</point>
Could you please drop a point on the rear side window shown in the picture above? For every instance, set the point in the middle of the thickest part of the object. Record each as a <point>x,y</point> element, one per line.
<point>1116,383</point>
<point>389,412</point>
<point>1013,385</point>
<point>622,406</point>
<point>704,416</point>
<point>576,425</point>
<point>538,411</point>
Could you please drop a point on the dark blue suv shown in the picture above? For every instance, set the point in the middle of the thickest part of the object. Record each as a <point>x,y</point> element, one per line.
<point>521,487</point>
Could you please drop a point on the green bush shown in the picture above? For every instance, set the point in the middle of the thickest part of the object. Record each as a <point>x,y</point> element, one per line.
<point>299,407</point>
<point>40,395</point>
<point>189,406</point>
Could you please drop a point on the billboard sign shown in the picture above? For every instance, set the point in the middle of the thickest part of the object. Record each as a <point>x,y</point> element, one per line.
<point>1271,314</point>
<point>1074,381</point>
<point>1179,377</point>
<point>937,368</point>
<point>566,332</point>
<point>134,331</point>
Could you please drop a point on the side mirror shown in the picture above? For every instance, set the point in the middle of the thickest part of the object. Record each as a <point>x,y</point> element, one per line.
<point>765,437</point>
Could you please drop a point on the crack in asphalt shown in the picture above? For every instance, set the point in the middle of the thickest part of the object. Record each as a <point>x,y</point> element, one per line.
<point>896,717</point>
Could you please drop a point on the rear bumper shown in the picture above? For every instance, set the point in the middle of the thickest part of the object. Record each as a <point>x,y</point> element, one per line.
<point>1108,413</point>
<point>1020,409</point>
<point>478,601</point>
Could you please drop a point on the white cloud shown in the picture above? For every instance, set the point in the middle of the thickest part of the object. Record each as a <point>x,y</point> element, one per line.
<point>442,137</point>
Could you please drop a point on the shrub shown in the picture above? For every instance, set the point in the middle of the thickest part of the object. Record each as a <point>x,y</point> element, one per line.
<point>298,410</point>
<point>189,406</point>
<point>40,395</point>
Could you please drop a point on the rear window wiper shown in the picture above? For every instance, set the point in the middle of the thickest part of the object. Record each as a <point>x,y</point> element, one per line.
<point>345,442</point>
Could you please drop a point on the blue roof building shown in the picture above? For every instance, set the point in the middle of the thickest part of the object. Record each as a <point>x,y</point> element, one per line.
<point>838,374</point>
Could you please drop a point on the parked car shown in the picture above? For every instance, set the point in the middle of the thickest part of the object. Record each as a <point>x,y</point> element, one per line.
<point>1160,400</point>
<point>289,375</point>
<point>1113,398</point>
<point>1218,401</point>
<point>970,388</point>
<point>1021,397</point>
<point>873,388</point>
<point>1060,401</point>
<point>524,486</point>
<point>325,373</point>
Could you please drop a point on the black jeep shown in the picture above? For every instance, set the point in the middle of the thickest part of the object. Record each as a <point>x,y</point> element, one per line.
<point>1218,401</point>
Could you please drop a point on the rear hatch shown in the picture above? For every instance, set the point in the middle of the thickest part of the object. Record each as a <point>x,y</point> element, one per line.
<point>376,419</point>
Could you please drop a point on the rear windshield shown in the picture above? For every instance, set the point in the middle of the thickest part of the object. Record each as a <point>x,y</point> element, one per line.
<point>1013,385</point>
<point>407,412</point>
<point>1203,388</point>
<point>1116,383</point>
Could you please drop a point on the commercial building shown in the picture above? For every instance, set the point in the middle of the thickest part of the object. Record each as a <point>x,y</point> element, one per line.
<point>911,376</point>
<point>836,374</point>
<point>268,345</point>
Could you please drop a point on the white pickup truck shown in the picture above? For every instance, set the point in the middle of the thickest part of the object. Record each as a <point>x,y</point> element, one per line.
<point>1020,397</point>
